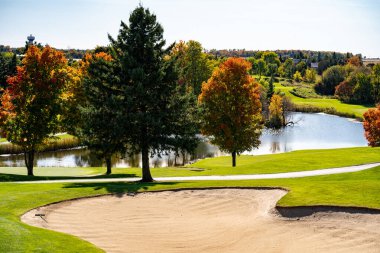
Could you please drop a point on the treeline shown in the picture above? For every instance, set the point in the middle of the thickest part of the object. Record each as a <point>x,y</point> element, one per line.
<point>324,59</point>
<point>268,63</point>
<point>69,53</point>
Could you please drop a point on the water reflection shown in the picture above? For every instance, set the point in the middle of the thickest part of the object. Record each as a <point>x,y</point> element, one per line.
<point>311,131</point>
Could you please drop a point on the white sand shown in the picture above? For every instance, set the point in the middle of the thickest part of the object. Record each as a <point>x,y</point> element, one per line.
<point>225,220</point>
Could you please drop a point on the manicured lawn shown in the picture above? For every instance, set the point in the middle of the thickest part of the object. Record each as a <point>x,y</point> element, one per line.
<point>356,110</point>
<point>262,164</point>
<point>54,171</point>
<point>288,162</point>
<point>350,189</point>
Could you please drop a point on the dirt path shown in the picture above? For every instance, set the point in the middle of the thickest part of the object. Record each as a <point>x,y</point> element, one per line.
<point>223,220</point>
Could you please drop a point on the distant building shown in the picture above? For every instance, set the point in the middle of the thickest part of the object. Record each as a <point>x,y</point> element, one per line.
<point>30,39</point>
<point>314,65</point>
<point>296,61</point>
<point>371,61</point>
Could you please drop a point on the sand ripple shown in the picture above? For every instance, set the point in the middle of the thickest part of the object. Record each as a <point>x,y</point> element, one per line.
<point>223,220</point>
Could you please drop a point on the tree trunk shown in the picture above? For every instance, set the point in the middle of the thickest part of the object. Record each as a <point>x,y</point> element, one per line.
<point>109,165</point>
<point>29,160</point>
<point>183,158</point>
<point>146,176</point>
<point>234,159</point>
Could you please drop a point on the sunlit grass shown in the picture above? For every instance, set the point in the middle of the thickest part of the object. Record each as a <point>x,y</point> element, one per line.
<point>340,107</point>
<point>350,189</point>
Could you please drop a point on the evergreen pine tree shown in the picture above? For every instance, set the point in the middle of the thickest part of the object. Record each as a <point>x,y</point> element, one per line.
<point>270,91</point>
<point>149,85</point>
<point>101,128</point>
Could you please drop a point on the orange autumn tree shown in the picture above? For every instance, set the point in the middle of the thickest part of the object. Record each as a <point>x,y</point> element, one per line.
<point>372,126</point>
<point>31,104</point>
<point>73,95</point>
<point>231,107</point>
<point>276,115</point>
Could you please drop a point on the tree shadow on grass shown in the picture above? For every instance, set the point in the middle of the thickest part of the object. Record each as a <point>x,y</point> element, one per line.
<point>120,188</point>
<point>15,177</point>
<point>122,175</point>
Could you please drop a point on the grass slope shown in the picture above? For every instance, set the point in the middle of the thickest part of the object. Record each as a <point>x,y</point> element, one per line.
<point>340,107</point>
<point>350,189</point>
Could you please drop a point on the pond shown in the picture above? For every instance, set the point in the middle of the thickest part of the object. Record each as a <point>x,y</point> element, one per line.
<point>310,131</point>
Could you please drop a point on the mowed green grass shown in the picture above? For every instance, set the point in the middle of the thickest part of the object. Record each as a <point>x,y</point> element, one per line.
<point>261,164</point>
<point>54,171</point>
<point>339,106</point>
<point>351,189</point>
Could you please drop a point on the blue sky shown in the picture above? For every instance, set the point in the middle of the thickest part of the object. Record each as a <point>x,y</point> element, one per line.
<point>331,25</point>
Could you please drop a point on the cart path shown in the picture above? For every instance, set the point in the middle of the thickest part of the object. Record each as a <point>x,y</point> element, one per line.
<point>309,173</point>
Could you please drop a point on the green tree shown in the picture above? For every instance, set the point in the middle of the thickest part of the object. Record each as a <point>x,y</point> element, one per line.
<point>186,128</point>
<point>310,75</point>
<point>271,58</point>
<point>297,76</point>
<point>231,108</point>
<point>261,67</point>
<point>8,64</point>
<point>3,70</point>
<point>376,82</point>
<point>270,90</point>
<point>281,70</point>
<point>301,67</point>
<point>363,89</point>
<point>288,68</point>
<point>194,65</point>
<point>149,85</point>
<point>272,69</point>
<point>101,128</point>
<point>32,101</point>
<point>272,61</point>
<point>332,77</point>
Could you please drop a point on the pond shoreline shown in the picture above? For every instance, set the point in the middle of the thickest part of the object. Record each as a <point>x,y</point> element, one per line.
<point>311,131</point>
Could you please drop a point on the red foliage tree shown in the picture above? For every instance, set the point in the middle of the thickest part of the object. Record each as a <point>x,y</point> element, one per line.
<point>344,91</point>
<point>231,108</point>
<point>372,126</point>
<point>32,102</point>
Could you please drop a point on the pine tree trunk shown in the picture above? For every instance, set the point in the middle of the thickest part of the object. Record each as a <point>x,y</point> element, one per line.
<point>146,176</point>
<point>29,160</point>
<point>234,159</point>
<point>109,165</point>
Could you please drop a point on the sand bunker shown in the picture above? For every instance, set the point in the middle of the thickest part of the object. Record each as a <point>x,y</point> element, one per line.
<point>223,220</point>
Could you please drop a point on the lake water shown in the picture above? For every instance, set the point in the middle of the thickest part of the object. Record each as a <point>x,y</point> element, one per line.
<point>310,131</point>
